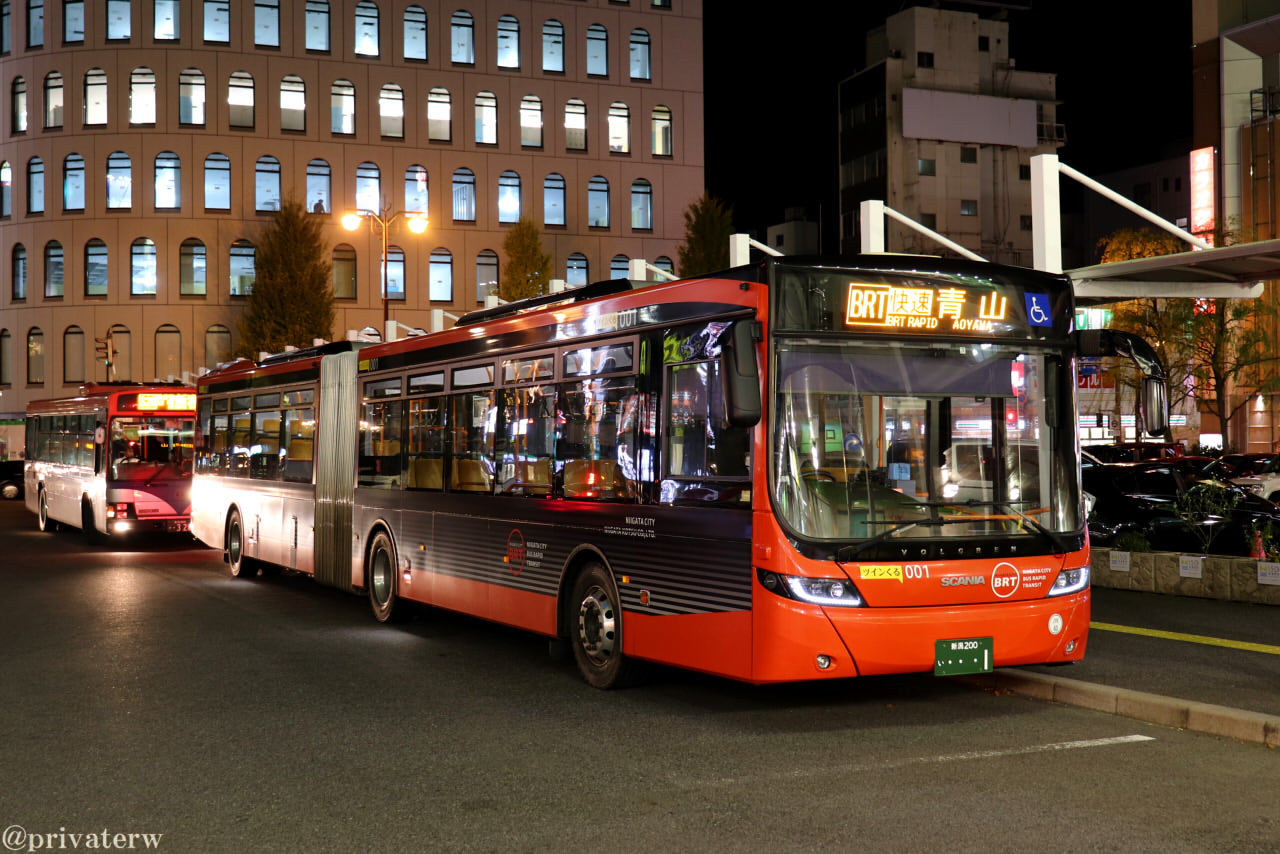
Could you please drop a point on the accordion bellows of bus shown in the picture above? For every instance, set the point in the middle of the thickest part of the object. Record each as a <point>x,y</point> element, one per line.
<point>801,469</point>
<point>112,461</point>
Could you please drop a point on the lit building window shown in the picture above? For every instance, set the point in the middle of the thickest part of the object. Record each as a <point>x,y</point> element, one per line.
<point>439,115</point>
<point>267,185</point>
<point>597,51</point>
<point>240,268</point>
<point>344,272</point>
<point>415,189</point>
<point>509,197</point>
<point>393,274</point>
<point>240,100</point>
<point>18,271</point>
<point>464,195</point>
<point>598,203</point>
<point>142,97</point>
<point>18,93</point>
<point>553,200</point>
<point>119,181</point>
<point>462,44</point>
<point>317,25</point>
<point>619,128</point>
<point>95,97</point>
<point>366,28</point>
<point>165,20</point>
<point>217,345</point>
<point>486,118</point>
<point>318,187</point>
<point>619,267</point>
<point>217,182</point>
<point>35,186</point>
<point>73,183</point>
<point>191,97</point>
<point>293,103</point>
<point>641,204</point>
<point>661,131</point>
<point>142,266</point>
<point>440,276</point>
<point>576,270</point>
<point>391,111</point>
<point>193,268</point>
<point>35,357</point>
<point>368,188</point>
<point>415,33</point>
<point>53,269</point>
<point>508,53</point>
<point>640,55</point>
<point>53,100</point>
<point>73,355</point>
<point>118,20</point>
<point>6,189</point>
<point>72,21</point>
<point>553,46</point>
<point>342,107</point>
<point>575,125</point>
<point>266,23</point>
<point>95,268</point>
<point>531,121</point>
<point>168,352</point>
<point>217,21</point>
<point>486,274</point>
<point>35,23</point>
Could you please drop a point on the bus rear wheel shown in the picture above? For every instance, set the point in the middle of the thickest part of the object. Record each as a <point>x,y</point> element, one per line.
<point>596,630</point>
<point>42,515</point>
<point>380,578</point>
<point>241,565</point>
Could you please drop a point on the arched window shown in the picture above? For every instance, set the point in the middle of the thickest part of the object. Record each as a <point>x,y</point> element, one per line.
<point>73,355</point>
<point>344,272</point>
<point>191,97</point>
<point>217,21</point>
<point>168,352</point>
<point>508,53</point>
<point>619,128</point>
<point>531,121</point>
<point>619,267</point>
<point>319,199</point>
<point>641,204</point>
<point>95,268</point>
<point>6,189</point>
<point>6,358</point>
<point>119,181</point>
<point>73,183</point>
<point>95,97</point>
<point>464,195</point>
<point>166,20</point>
<point>119,23</point>
<point>35,186</point>
<point>509,197</point>
<point>486,274</point>
<point>217,182</point>
<point>553,199</point>
<point>597,51</point>
<point>640,55</point>
<point>575,125</point>
<point>18,96</point>
<point>240,100</point>
<point>122,343</point>
<point>18,271</point>
<point>662,262</point>
<point>193,268</point>
<point>393,274</point>
<point>53,100</point>
<point>439,115</point>
<point>366,28</point>
<point>415,189</point>
<point>168,181</point>
<point>142,97</point>
<point>575,274</point>
<point>217,345</point>
<point>35,356</point>
<point>440,276</point>
<point>553,46</point>
<point>462,39</point>
<point>391,111</point>
<point>35,25</point>
<point>342,107</point>
<point>368,188</point>
<point>317,24</point>
<point>486,118</point>
<point>53,270</point>
<point>266,184</point>
<point>293,103</point>
<point>73,21</point>
<point>266,23</point>
<point>240,268</point>
<point>661,131</point>
<point>143,273</point>
<point>415,33</point>
<point>598,202</point>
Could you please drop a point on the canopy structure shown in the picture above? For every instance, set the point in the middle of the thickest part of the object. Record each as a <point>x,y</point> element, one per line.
<point>1234,272</point>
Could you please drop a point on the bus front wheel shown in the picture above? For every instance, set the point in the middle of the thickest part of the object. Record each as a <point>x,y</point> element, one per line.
<point>596,631</point>
<point>241,565</point>
<point>380,578</point>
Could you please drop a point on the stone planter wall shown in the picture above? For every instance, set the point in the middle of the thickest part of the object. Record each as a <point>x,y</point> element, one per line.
<point>1235,579</point>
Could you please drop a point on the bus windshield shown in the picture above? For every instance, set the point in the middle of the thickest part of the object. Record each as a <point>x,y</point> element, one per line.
<point>150,448</point>
<point>906,439</point>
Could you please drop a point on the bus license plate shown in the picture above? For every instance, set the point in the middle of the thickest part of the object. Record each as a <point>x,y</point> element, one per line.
<point>962,656</point>
<point>177,527</point>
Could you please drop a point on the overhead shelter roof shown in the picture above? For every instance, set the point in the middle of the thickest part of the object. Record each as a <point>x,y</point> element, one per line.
<point>1260,37</point>
<point>1234,272</point>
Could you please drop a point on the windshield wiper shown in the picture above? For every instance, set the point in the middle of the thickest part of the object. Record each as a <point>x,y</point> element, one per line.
<point>1011,506</point>
<point>859,548</point>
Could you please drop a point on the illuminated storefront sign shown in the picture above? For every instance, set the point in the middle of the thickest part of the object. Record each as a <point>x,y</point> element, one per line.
<point>152,402</point>
<point>1202,191</point>
<point>924,309</point>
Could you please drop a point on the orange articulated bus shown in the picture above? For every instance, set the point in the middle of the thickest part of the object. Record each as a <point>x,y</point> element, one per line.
<point>802,469</point>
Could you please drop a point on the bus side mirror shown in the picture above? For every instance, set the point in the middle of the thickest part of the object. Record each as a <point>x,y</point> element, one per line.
<point>741,377</point>
<point>1155,406</point>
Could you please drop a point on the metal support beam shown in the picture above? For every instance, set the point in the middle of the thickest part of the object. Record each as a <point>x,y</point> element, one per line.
<point>740,249</point>
<point>872,213</point>
<point>642,271</point>
<point>1046,214</point>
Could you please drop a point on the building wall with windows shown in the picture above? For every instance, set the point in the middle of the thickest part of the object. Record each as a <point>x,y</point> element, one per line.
<point>145,143</point>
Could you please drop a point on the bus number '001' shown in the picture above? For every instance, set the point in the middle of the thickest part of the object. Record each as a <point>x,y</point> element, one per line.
<point>916,570</point>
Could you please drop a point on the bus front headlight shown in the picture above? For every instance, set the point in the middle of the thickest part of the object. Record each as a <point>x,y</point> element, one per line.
<point>1070,581</point>
<point>838,592</point>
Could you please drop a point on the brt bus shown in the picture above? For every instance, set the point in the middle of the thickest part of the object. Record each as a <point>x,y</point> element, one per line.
<point>799,469</point>
<point>114,460</point>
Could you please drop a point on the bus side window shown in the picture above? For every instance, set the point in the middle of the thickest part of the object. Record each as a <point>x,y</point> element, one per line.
<point>298,454</point>
<point>426,444</point>
<point>471,443</point>
<point>239,432</point>
<point>264,452</point>
<point>379,462</point>
<point>702,446</point>
<point>597,440</point>
<point>216,442</point>
<point>526,440</point>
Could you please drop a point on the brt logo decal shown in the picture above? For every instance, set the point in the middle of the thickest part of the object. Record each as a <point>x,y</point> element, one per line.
<point>1005,580</point>
<point>516,552</point>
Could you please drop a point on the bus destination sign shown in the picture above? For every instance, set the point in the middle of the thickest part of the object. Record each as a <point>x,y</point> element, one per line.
<point>915,309</point>
<point>157,402</point>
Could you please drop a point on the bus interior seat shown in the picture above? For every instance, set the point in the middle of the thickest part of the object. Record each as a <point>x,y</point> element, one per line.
<point>590,478</point>
<point>470,476</point>
<point>426,473</point>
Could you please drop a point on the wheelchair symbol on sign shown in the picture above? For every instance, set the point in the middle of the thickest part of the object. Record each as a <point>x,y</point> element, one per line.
<point>1036,313</point>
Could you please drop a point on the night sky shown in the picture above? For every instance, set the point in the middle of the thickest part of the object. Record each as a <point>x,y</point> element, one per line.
<point>1124,80</point>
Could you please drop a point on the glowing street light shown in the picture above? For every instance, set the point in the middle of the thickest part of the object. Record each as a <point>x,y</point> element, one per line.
<point>417,222</point>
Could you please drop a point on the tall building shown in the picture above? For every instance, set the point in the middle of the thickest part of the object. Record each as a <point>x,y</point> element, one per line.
<point>145,144</point>
<point>942,127</point>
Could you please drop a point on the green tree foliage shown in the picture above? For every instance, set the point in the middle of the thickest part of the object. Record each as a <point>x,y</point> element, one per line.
<point>528,268</point>
<point>707,226</point>
<point>292,300</point>
<point>1205,508</point>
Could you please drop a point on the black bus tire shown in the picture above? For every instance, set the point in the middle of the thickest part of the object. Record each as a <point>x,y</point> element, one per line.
<point>380,579</point>
<point>92,536</point>
<point>45,524</point>
<point>595,630</point>
<point>241,566</point>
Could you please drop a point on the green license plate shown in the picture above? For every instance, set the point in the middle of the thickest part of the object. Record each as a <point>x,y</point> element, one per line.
<point>961,656</point>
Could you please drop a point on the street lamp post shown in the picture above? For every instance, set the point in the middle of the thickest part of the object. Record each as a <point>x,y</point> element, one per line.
<point>417,224</point>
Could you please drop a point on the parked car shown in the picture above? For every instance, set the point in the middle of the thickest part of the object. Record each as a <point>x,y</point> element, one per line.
<point>11,479</point>
<point>1258,473</point>
<point>1134,452</point>
<point>1141,498</point>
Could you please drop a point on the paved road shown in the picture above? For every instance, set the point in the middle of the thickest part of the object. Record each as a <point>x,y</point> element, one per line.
<point>146,691</point>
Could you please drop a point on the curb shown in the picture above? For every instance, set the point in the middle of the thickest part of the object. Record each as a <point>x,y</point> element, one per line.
<point>1156,709</point>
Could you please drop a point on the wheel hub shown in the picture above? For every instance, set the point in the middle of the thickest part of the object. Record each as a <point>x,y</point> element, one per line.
<point>597,625</point>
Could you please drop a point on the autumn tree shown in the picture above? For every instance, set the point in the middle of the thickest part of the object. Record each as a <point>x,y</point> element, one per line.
<point>707,226</point>
<point>528,268</point>
<point>291,302</point>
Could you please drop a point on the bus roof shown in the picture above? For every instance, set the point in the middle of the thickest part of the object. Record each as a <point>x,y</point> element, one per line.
<point>104,396</point>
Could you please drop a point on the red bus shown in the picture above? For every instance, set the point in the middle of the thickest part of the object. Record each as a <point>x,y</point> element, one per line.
<point>802,469</point>
<point>112,461</point>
